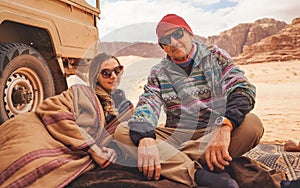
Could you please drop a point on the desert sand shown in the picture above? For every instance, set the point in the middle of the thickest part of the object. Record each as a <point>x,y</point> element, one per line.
<point>277,100</point>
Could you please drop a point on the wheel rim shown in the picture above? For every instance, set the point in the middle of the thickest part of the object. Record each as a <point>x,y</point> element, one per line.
<point>25,79</point>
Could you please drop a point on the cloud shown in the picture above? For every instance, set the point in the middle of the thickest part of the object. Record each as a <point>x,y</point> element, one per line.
<point>135,20</point>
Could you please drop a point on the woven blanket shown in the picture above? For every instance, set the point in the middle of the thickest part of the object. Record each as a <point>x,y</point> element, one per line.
<point>274,157</point>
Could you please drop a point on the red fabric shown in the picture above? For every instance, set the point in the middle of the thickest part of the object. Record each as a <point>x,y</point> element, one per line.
<point>171,21</point>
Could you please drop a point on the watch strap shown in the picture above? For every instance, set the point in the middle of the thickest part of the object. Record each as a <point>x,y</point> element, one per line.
<point>227,122</point>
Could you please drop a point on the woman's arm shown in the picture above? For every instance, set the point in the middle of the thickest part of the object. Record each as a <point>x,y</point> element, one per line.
<point>73,119</point>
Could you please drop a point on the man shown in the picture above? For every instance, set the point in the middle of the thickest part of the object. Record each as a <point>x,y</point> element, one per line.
<point>207,100</point>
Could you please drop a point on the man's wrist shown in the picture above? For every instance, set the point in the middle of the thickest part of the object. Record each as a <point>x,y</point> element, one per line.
<point>146,140</point>
<point>137,136</point>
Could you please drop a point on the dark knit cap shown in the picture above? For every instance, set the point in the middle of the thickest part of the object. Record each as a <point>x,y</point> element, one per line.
<point>171,21</point>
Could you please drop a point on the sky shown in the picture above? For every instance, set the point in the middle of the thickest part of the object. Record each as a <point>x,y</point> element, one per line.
<point>136,20</point>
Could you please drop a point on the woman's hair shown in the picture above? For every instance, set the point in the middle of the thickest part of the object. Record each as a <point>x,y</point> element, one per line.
<point>95,66</point>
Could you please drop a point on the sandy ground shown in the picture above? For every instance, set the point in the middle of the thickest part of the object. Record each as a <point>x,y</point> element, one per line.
<point>277,100</point>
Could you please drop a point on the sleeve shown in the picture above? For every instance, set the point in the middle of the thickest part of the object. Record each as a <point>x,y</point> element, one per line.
<point>236,109</point>
<point>58,116</point>
<point>239,92</point>
<point>147,111</point>
<point>240,95</point>
<point>124,106</point>
<point>126,110</point>
<point>124,115</point>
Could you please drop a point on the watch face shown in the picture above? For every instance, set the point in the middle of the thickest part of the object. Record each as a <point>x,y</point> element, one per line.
<point>219,121</point>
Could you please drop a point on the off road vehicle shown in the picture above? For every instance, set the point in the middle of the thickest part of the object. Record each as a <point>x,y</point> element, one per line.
<point>41,43</point>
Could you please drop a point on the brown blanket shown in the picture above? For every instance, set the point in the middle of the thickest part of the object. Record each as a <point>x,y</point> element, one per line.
<point>120,177</point>
<point>247,172</point>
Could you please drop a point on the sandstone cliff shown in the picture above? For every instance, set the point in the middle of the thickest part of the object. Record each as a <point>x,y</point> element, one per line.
<point>283,46</point>
<point>245,34</point>
<point>142,49</point>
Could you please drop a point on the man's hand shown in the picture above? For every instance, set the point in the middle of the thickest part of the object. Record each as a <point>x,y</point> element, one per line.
<point>104,156</point>
<point>217,152</point>
<point>148,158</point>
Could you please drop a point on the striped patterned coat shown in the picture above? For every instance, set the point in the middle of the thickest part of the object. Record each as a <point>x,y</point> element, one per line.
<point>193,100</point>
<point>48,148</point>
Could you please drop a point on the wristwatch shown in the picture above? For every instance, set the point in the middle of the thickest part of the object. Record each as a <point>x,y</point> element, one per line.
<point>220,121</point>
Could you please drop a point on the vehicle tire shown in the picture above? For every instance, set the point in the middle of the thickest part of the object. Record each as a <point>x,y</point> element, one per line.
<point>23,73</point>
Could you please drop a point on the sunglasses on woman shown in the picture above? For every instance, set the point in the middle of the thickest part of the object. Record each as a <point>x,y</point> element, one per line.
<point>106,73</point>
<point>177,34</point>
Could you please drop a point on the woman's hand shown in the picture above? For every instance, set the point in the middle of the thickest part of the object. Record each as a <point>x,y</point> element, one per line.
<point>103,156</point>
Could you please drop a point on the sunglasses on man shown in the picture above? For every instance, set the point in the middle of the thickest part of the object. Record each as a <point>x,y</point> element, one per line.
<point>106,73</point>
<point>177,34</point>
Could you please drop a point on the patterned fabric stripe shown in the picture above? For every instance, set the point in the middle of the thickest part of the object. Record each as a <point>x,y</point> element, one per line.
<point>95,102</point>
<point>166,86</point>
<point>192,103</point>
<point>41,171</point>
<point>58,117</point>
<point>146,112</point>
<point>290,168</point>
<point>14,167</point>
<point>221,52</point>
<point>86,145</point>
<point>227,70</point>
<point>75,175</point>
<point>187,106</point>
<point>233,81</point>
<point>169,90</point>
<point>153,87</point>
<point>200,78</point>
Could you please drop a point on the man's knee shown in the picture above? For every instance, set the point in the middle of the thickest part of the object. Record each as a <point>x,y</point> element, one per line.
<point>246,136</point>
<point>253,126</point>
<point>122,132</point>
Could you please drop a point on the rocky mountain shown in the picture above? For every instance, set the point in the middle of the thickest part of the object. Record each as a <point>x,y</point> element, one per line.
<point>246,34</point>
<point>246,42</point>
<point>113,47</point>
<point>283,46</point>
<point>142,49</point>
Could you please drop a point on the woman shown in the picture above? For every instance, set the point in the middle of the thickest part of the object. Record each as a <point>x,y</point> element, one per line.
<point>66,136</point>
<point>113,100</point>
